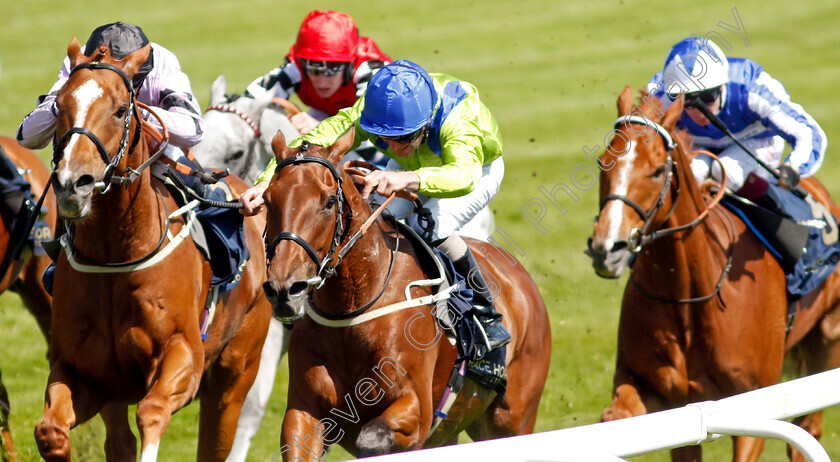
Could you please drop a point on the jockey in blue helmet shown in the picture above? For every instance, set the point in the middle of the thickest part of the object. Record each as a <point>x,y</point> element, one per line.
<point>755,107</point>
<point>443,143</point>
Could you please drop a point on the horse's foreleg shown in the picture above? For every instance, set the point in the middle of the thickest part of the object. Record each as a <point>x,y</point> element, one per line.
<point>230,378</point>
<point>68,403</point>
<point>35,297</point>
<point>175,384</point>
<point>398,428</point>
<point>812,423</point>
<point>7,449</point>
<point>818,351</point>
<point>627,402</point>
<point>120,443</point>
<point>303,437</point>
<point>687,454</point>
<point>747,448</point>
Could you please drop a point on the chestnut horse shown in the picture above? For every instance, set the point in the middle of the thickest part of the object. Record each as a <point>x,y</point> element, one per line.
<point>23,276</point>
<point>128,297</point>
<point>365,380</point>
<point>704,311</point>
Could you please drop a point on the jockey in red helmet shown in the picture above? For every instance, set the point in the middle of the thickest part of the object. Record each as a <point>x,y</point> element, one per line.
<point>328,67</point>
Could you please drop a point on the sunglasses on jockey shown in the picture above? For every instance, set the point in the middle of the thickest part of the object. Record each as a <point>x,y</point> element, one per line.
<point>408,138</point>
<point>325,68</point>
<point>707,96</point>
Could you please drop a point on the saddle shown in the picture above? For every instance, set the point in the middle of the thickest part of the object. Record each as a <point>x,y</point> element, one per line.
<point>221,235</point>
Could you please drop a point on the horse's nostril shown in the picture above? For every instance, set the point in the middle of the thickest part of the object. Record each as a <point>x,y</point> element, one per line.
<point>619,246</point>
<point>84,180</point>
<point>297,288</point>
<point>270,289</point>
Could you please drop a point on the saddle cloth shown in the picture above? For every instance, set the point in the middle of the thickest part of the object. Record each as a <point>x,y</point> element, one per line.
<point>456,319</point>
<point>805,222</point>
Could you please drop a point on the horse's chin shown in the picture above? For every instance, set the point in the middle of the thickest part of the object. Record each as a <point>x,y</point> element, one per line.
<point>610,274</point>
<point>73,210</point>
<point>611,265</point>
<point>287,313</point>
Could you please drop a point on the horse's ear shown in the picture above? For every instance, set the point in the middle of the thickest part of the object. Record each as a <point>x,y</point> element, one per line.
<point>625,101</point>
<point>341,146</point>
<point>74,52</point>
<point>131,63</point>
<point>278,145</point>
<point>217,90</point>
<point>672,115</point>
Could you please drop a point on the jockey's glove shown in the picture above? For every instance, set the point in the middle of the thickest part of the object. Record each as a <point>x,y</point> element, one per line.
<point>788,177</point>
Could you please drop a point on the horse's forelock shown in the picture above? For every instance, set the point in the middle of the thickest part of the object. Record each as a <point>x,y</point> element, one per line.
<point>650,106</point>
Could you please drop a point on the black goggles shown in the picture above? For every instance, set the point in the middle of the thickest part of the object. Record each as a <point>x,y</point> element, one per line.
<point>325,68</point>
<point>408,138</point>
<point>707,96</point>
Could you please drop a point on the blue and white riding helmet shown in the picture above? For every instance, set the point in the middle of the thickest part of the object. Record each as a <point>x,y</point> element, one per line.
<point>694,64</point>
<point>399,100</point>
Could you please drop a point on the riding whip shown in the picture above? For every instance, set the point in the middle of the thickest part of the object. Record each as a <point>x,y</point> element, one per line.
<point>701,106</point>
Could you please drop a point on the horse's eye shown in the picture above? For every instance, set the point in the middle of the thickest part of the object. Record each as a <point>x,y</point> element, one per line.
<point>120,112</point>
<point>659,171</point>
<point>237,155</point>
<point>330,202</point>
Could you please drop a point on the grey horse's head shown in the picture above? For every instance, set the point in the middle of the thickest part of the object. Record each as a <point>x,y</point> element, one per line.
<point>239,131</point>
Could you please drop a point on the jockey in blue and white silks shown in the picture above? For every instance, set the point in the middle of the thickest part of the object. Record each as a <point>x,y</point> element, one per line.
<point>754,106</point>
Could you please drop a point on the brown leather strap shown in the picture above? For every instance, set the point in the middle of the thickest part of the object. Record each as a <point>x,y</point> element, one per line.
<point>289,106</point>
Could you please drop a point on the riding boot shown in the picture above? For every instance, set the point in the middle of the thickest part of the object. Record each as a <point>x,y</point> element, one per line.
<point>490,321</point>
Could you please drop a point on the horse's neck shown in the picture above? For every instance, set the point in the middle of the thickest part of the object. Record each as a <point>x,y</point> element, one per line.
<point>363,272</point>
<point>691,260</point>
<point>126,221</point>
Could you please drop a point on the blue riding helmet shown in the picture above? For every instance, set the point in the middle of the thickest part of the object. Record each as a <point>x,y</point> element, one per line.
<point>400,99</point>
<point>695,64</point>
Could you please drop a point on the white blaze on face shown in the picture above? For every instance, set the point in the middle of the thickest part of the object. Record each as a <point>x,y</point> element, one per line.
<point>85,95</point>
<point>615,214</point>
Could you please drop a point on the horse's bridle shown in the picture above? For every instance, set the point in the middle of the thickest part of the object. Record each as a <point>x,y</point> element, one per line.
<point>224,107</point>
<point>639,237</point>
<point>325,267</point>
<point>111,162</point>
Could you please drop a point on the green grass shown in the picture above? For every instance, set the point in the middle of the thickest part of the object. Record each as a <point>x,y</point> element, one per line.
<point>550,71</point>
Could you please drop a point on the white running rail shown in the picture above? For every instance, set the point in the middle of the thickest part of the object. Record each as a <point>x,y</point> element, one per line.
<point>756,413</point>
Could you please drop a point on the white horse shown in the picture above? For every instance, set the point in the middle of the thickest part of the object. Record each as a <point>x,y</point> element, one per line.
<point>238,137</point>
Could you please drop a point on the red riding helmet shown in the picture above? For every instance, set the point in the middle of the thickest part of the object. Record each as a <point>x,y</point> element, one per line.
<point>327,36</point>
